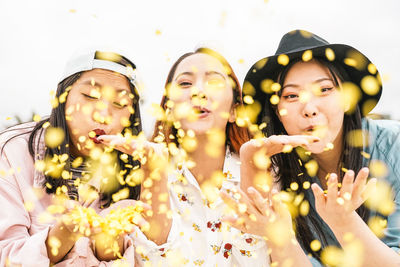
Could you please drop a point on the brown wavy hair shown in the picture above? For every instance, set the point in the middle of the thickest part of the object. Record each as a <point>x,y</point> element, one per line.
<point>235,135</point>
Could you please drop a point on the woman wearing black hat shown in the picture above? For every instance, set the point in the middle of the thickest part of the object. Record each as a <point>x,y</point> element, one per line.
<point>313,98</point>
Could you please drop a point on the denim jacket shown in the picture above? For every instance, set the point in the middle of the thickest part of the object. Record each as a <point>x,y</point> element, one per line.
<point>384,145</point>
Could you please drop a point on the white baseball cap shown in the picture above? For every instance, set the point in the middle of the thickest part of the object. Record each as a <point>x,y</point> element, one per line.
<point>101,60</point>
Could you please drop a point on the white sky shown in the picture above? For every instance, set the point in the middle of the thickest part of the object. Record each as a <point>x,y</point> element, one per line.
<point>37,38</point>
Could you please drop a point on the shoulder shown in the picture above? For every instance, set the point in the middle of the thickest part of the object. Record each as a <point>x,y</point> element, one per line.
<point>16,134</point>
<point>383,135</point>
<point>384,145</point>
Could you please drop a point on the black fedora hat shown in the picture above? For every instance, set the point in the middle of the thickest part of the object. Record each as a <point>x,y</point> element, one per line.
<point>259,82</point>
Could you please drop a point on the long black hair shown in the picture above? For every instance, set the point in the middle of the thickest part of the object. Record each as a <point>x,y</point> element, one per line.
<point>57,119</point>
<point>291,166</point>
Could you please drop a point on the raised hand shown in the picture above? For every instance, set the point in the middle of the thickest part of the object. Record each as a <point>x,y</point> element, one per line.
<point>275,144</point>
<point>255,154</point>
<point>130,146</point>
<point>266,217</point>
<point>337,207</point>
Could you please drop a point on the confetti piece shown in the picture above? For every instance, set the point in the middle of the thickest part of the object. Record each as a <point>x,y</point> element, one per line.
<point>283,59</point>
<point>330,54</point>
<point>311,167</point>
<point>54,137</point>
<point>307,55</point>
<point>274,99</point>
<point>315,245</point>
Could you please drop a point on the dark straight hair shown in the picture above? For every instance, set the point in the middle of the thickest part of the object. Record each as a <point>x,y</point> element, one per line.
<point>57,119</point>
<point>290,166</point>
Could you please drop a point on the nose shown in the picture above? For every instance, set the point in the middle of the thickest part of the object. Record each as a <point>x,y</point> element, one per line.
<point>310,109</point>
<point>198,93</point>
<point>104,112</point>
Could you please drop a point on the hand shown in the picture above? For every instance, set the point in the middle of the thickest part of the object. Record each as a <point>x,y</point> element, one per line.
<point>130,146</point>
<point>337,207</point>
<point>139,220</point>
<point>275,144</point>
<point>266,217</point>
<point>255,158</point>
<point>108,245</point>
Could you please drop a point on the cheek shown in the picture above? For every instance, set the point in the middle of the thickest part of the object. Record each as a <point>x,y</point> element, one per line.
<point>222,100</point>
<point>120,121</point>
<point>289,115</point>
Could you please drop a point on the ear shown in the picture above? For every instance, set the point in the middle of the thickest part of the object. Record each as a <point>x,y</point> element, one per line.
<point>232,113</point>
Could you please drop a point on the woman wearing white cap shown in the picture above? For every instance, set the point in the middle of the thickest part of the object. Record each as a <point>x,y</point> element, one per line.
<point>313,98</point>
<point>42,162</point>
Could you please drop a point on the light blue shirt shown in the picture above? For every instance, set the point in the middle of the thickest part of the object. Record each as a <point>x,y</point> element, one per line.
<point>384,145</point>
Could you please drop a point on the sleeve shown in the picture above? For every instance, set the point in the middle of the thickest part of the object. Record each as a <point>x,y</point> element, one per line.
<point>82,255</point>
<point>392,231</point>
<point>389,149</point>
<point>17,246</point>
<point>149,253</point>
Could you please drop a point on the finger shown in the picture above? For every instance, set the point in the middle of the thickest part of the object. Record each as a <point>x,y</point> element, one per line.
<point>246,200</point>
<point>238,223</point>
<point>369,189</point>
<point>277,205</point>
<point>117,142</point>
<point>260,203</point>
<point>359,183</point>
<point>332,194</point>
<point>319,195</point>
<point>111,139</point>
<point>347,185</point>
<point>145,206</point>
<point>239,206</point>
<point>229,200</point>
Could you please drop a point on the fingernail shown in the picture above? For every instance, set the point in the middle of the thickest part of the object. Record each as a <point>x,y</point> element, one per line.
<point>251,190</point>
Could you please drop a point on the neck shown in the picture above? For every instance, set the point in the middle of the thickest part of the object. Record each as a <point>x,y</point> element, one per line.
<point>205,164</point>
<point>328,161</point>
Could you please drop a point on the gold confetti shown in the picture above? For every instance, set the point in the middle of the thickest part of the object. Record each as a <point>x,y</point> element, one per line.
<point>283,59</point>
<point>307,55</point>
<point>274,99</point>
<point>36,118</point>
<point>378,168</point>
<point>330,54</point>
<point>315,245</point>
<point>54,137</point>
<point>311,167</point>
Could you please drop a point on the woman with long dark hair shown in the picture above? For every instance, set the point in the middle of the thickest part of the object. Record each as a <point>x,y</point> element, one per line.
<point>317,148</point>
<point>200,129</point>
<point>54,159</point>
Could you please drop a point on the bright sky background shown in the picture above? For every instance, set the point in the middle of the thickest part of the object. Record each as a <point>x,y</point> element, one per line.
<point>37,38</point>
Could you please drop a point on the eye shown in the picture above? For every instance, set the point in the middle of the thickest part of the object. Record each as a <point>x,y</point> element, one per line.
<point>326,89</point>
<point>90,97</point>
<point>119,105</point>
<point>185,84</point>
<point>290,96</point>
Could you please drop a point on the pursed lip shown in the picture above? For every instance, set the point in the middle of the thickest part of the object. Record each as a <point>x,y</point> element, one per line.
<point>98,132</point>
<point>202,111</point>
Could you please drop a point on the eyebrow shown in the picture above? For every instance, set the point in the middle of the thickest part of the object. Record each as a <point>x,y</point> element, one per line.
<point>208,73</point>
<point>316,81</point>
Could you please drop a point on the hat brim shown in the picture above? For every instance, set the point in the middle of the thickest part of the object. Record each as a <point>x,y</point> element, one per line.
<point>353,62</point>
